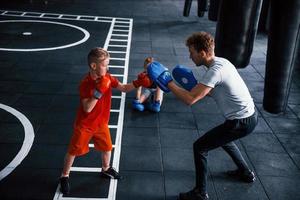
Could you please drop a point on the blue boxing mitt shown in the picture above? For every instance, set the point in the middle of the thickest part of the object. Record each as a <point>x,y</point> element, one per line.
<point>160,75</point>
<point>185,77</point>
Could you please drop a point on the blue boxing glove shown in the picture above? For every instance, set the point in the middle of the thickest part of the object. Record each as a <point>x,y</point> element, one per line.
<point>160,75</point>
<point>185,77</point>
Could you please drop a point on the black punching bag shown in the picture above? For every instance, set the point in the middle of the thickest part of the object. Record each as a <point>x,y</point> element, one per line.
<point>202,7</point>
<point>187,7</point>
<point>264,16</point>
<point>236,30</point>
<point>283,44</point>
<point>213,10</point>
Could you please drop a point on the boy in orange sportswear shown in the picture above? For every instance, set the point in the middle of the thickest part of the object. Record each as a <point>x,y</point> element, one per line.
<point>93,115</point>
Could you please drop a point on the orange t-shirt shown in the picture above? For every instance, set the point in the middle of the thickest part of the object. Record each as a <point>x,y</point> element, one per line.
<point>101,112</point>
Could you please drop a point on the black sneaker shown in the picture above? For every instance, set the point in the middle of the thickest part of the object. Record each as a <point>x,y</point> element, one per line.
<point>247,176</point>
<point>111,173</point>
<point>193,195</point>
<point>64,185</point>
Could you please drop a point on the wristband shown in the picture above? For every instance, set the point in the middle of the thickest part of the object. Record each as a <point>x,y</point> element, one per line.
<point>97,94</point>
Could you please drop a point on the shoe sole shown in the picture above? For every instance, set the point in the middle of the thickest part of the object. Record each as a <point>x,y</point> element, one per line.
<point>109,176</point>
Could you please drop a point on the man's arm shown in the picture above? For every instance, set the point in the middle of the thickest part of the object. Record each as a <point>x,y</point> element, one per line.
<point>189,97</point>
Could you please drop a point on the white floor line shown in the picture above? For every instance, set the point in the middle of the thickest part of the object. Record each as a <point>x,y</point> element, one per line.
<point>27,142</point>
<point>86,169</point>
<point>117,45</point>
<point>117,58</point>
<point>55,16</point>
<point>115,66</point>
<point>93,146</point>
<point>114,110</point>
<point>122,52</point>
<point>120,35</point>
<point>118,75</point>
<point>118,40</point>
<point>121,30</point>
<point>84,39</point>
<point>116,97</point>
<point>121,26</point>
<point>113,126</point>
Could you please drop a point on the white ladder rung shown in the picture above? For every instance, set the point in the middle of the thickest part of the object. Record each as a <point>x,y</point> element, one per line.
<point>86,169</point>
<point>113,126</point>
<point>93,146</point>
<point>116,45</point>
<point>123,26</point>
<point>123,52</point>
<point>115,66</point>
<point>117,58</point>
<point>120,35</point>
<point>120,30</point>
<point>118,40</point>
<point>118,75</point>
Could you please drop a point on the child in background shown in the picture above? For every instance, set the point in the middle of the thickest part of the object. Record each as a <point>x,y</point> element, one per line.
<point>148,97</point>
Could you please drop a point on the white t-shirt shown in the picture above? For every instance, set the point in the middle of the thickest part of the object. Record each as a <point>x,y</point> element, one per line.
<point>229,90</point>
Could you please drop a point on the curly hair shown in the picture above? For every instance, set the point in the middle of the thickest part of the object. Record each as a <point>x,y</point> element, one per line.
<point>201,41</point>
<point>97,55</point>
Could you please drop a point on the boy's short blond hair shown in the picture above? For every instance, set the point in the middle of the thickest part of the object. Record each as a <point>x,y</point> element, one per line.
<point>97,55</point>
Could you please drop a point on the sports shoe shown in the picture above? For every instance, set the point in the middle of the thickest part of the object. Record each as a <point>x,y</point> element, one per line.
<point>137,105</point>
<point>194,194</point>
<point>247,176</point>
<point>111,173</point>
<point>64,185</point>
<point>154,107</point>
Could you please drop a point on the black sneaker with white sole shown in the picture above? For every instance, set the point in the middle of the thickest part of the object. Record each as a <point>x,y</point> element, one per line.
<point>64,185</point>
<point>111,173</point>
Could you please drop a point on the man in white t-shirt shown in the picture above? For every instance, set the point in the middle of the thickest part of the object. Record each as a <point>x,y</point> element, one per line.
<point>222,82</point>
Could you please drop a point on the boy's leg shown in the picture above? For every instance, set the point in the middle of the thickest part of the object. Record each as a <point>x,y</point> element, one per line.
<point>64,180</point>
<point>107,170</point>
<point>144,95</point>
<point>68,162</point>
<point>141,97</point>
<point>158,95</point>
<point>102,142</point>
<point>106,155</point>
<point>78,146</point>
<point>156,100</point>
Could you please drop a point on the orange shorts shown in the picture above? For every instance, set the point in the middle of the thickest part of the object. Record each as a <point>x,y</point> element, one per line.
<point>81,137</point>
